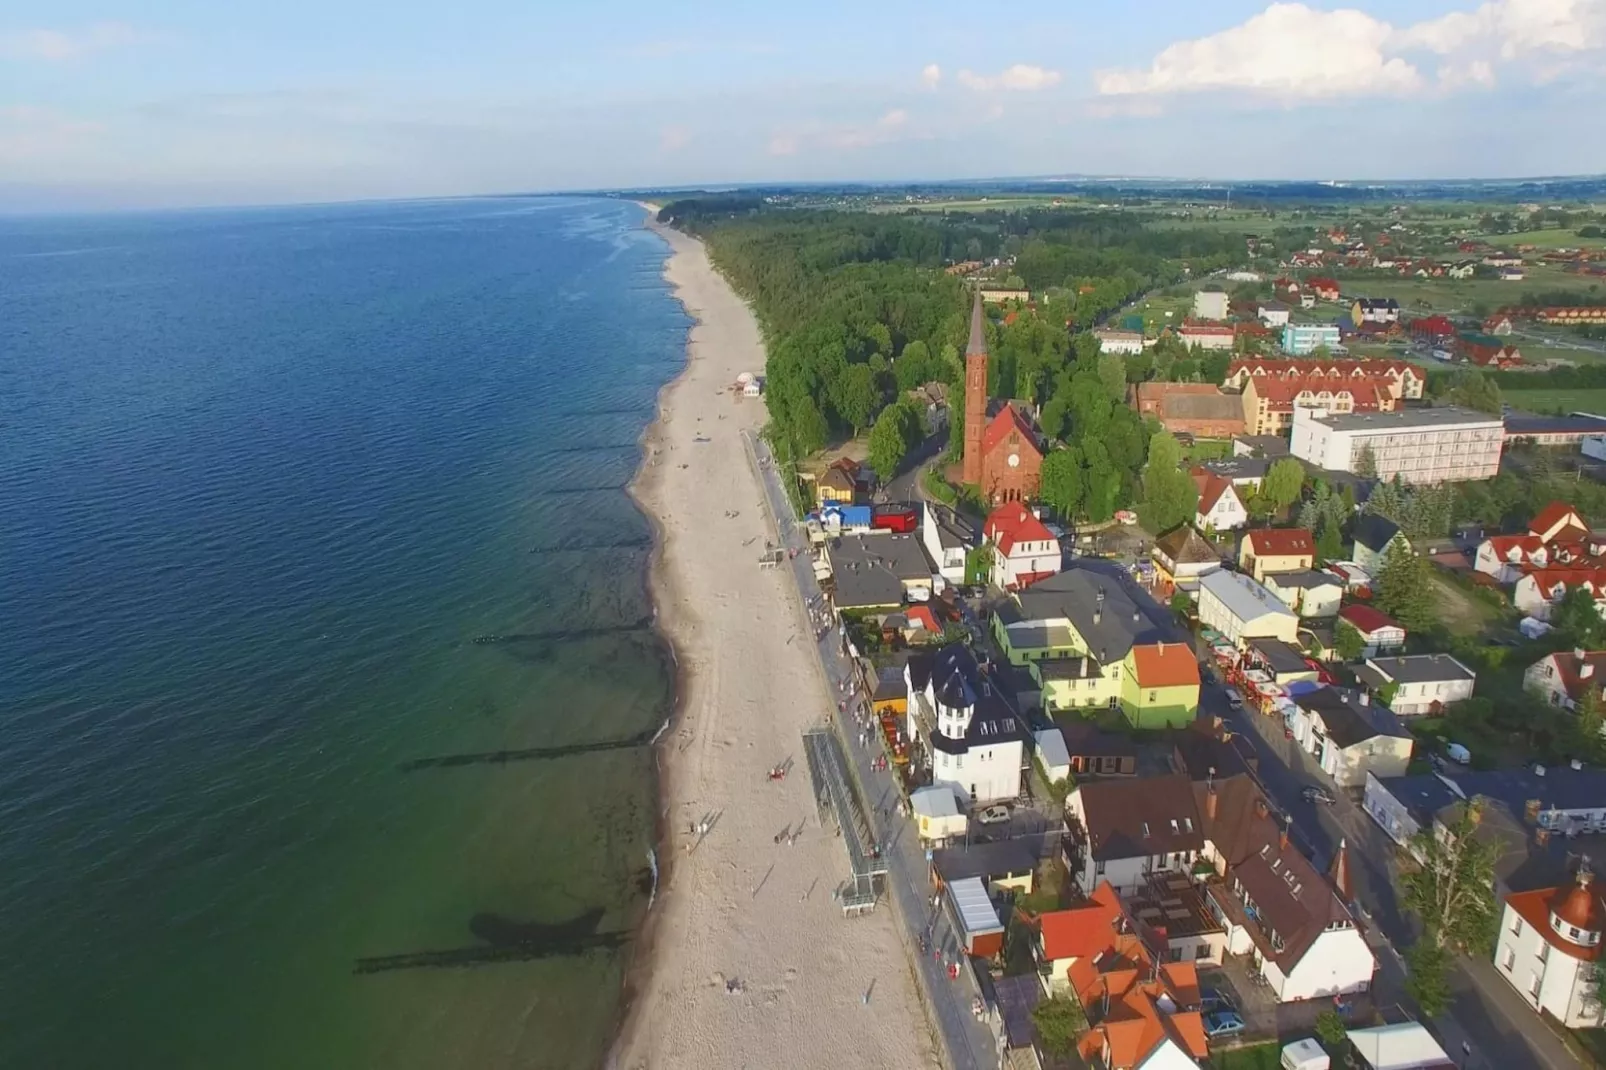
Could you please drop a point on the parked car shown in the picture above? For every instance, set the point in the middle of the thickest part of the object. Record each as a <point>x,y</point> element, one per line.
<point>1223,1024</point>
<point>993,815</point>
<point>1459,754</point>
<point>1234,698</point>
<point>1315,793</point>
<point>1212,1000</point>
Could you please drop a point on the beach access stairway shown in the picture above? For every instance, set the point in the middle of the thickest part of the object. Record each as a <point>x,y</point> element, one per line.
<point>835,796</point>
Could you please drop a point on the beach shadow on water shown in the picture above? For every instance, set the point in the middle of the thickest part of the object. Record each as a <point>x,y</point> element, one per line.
<point>525,754</point>
<point>503,940</point>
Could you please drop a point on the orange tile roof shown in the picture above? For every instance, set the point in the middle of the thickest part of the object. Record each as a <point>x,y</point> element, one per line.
<point>1081,932</point>
<point>1165,665</point>
<point>1534,908</point>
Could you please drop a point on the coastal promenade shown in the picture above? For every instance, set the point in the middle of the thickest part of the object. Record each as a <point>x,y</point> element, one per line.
<point>968,1043</point>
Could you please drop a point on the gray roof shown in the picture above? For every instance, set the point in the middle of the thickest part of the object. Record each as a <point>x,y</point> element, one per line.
<point>1560,788</point>
<point>1081,668</point>
<point>1375,532</point>
<point>1243,597</point>
<point>986,860</point>
<point>1349,720</point>
<point>1282,657</point>
<point>1402,419</point>
<point>1422,668</point>
<point>958,682</point>
<point>953,529</point>
<point>1202,406</point>
<point>1304,578</point>
<point>1526,423</point>
<point>1105,606</point>
<point>1268,446</point>
<point>1239,467</point>
<point>978,335</point>
<point>870,570</point>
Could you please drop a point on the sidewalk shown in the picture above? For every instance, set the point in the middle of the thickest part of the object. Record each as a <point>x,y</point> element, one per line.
<point>969,1043</point>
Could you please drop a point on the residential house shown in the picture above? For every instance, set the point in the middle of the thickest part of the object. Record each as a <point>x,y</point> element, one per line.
<point>1439,445</point>
<point>844,482</point>
<point>1303,339</point>
<point>1024,551</point>
<point>948,537</point>
<point>1463,269</point>
<point>1378,630</point>
<point>1539,591</point>
<point>1181,556</point>
<point>1349,735</point>
<point>1558,536</point>
<point>1562,801</point>
<point>1241,609</point>
<point>1207,335</point>
<point>1001,865</point>
<point>1245,473</point>
<point>1570,430</point>
<point>1325,289</point>
<point>1277,908</point>
<point>1566,677</point>
<point>1200,409</point>
<point>1549,945</point>
<point>1276,550</point>
<point>1273,313</point>
<point>1115,341</point>
<point>937,816</point>
<point>1132,997</point>
<point>1433,329</point>
<point>1374,310</point>
<point>877,571</point>
<point>1495,358</point>
<point>1572,317</point>
<point>1210,305</point>
<point>1372,536</point>
<point>1128,829</point>
<point>1498,324</point>
<point>1092,638</point>
<point>1422,683</point>
<point>1095,753</point>
<point>1308,592</point>
<point>967,737</point>
<point>1559,523</point>
<point>1220,507</point>
<point>1512,274</point>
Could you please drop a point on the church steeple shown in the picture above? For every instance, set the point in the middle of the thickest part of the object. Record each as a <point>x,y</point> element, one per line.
<point>978,333</point>
<point>975,393</point>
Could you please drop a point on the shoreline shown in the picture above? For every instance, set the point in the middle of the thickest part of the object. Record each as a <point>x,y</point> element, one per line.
<point>743,958</point>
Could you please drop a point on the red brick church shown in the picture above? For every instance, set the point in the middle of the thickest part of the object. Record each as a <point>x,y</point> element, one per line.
<point>1003,455</point>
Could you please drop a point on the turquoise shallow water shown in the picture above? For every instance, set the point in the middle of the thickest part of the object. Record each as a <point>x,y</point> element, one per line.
<point>264,477</point>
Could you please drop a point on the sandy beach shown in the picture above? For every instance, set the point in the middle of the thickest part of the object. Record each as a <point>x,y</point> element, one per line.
<point>750,962</point>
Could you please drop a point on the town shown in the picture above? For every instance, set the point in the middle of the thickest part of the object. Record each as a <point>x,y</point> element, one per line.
<point>1215,634</point>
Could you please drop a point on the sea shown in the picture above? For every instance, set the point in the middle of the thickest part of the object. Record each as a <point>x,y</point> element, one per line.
<point>326,652</point>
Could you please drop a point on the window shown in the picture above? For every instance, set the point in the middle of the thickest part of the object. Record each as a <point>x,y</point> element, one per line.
<point>1508,960</point>
<point>1516,924</point>
<point>1153,695</point>
<point>1533,984</point>
<point>1098,869</point>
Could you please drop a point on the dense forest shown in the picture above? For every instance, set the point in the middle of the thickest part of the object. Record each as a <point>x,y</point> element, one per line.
<point>857,310</point>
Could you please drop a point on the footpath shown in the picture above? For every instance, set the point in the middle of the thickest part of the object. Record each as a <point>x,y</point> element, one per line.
<point>968,1042</point>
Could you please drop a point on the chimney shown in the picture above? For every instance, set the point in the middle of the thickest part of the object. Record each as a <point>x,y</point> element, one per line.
<point>1160,646</point>
<point>1210,799</point>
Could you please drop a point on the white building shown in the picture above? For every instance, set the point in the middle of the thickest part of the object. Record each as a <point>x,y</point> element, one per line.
<point>1241,609</point>
<point>1548,946</point>
<point>974,743</point>
<point>1134,828</point>
<point>1221,507</point>
<point>1273,313</point>
<point>1308,592</point>
<point>1210,305</point>
<point>937,815</point>
<point>1538,592</point>
<point>1024,550</point>
<point>948,537</point>
<point>1423,683</point>
<point>1127,343</point>
<point>1442,445</point>
<point>1565,677</point>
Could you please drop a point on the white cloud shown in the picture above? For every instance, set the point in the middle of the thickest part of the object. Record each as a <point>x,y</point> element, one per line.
<point>1292,51</point>
<point>895,117</point>
<point>814,135</point>
<point>60,45</point>
<point>1288,49</point>
<point>1021,77</point>
<point>673,138</point>
<point>931,76</point>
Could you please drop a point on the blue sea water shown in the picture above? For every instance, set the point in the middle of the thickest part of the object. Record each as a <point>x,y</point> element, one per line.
<point>265,476</point>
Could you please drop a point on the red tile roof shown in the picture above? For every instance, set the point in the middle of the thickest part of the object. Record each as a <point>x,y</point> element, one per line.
<point>1367,619</point>
<point>1281,542</point>
<point>1211,488</point>
<point>1009,418</point>
<point>1580,901</point>
<point>1013,523</point>
<point>1083,931</point>
<point>1554,519</point>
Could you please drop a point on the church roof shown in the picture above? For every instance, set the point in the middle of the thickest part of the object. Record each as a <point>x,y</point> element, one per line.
<point>1009,418</point>
<point>978,334</point>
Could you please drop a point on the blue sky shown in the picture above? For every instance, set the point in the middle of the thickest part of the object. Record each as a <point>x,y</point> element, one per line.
<point>189,102</point>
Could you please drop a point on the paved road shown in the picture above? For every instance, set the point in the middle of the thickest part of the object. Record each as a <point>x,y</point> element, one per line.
<point>1486,1014</point>
<point>906,486</point>
<point>969,1044</point>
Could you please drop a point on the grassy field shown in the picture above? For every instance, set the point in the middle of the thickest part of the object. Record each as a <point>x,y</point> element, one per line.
<point>1253,1057</point>
<point>1418,296</point>
<point>1556,400</point>
<point>1545,239</point>
<point>1207,449</point>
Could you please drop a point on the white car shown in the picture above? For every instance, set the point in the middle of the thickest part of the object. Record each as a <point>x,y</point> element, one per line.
<point>993,815</point>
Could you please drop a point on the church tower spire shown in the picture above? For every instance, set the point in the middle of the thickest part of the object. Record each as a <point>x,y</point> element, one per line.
<point>975,392</point>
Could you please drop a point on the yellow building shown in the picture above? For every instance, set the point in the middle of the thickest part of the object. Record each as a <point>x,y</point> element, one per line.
<point>1267,550</point>
<point>1090,639</point>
